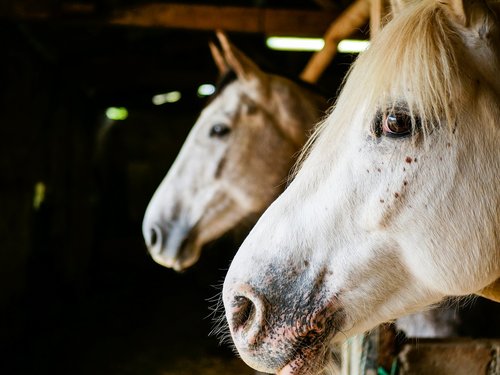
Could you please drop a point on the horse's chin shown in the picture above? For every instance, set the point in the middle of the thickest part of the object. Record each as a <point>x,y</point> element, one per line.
<point>305,361</point>
<point>181,261</point>
<point>314,362</point>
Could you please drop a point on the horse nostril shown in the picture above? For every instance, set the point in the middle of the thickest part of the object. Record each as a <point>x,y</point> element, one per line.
<point>243,313</point>
<point>246,315</point>
<point>184,243</point>
<point>153,238</point>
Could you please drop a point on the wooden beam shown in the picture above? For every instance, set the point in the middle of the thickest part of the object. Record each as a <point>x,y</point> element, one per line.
<point>242,19</point>
<point>180,16</point>
<point>354,17</point>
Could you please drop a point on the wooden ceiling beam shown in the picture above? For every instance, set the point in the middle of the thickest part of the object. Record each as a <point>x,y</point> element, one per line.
<point>197,17</point>
<point>228,18</point>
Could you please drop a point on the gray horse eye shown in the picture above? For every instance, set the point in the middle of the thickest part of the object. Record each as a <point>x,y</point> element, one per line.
<point>219,130</point>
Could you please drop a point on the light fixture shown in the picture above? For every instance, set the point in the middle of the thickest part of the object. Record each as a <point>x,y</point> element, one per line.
<point>314,44</point>
<point>282,43</point>
<point>353,46</point>
<point>206,89</point>
<point>39,195</point>
<point>117,113</point>
<point>169,97</point>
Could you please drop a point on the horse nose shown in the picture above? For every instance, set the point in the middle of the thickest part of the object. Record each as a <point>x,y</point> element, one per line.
<point>170,245</point>
<point>245,313</point>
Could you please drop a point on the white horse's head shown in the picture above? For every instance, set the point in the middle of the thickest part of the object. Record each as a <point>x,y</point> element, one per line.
<point>234,162</point>
<point>396,203</point>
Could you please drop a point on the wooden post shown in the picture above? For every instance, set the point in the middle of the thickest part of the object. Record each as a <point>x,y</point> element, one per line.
<point>371,353</point>
<point>355,16</point>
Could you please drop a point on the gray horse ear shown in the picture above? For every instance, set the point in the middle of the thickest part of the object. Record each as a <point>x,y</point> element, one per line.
<point>469,14</point>
<point>244,68</point>
<point>219,60</point>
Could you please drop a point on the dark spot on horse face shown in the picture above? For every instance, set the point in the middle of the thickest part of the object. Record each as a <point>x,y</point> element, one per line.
<point>382,201</point>
<point>404,169</point>
<point>367,171</point>
<point>220,167</point>
<point>408,160</point>
<point>378,170</point>
<point>405,183</point>
<point>396,195</point>
<point>448,144</point>
<point>251,108</point>
<point>415,160</point>
<point>306,263</point>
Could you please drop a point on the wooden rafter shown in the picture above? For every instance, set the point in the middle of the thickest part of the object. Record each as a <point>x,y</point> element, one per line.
<point>354,17</point>
<point>195,17</point>
<point>206,17</point>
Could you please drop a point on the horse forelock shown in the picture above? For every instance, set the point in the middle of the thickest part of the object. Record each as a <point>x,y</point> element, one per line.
<point>419,61</point>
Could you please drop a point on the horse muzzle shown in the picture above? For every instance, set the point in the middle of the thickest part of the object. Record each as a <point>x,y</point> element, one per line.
<point>285,333</point>
<point>173,247</point>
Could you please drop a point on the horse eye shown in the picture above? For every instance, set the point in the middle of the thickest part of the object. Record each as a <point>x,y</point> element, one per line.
<point>395,125</point>
<point>219,130</point>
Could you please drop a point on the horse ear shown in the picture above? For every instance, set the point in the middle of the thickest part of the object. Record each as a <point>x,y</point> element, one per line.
<point>469,14</point>
<point>219,60</point>
<point>244,68</point>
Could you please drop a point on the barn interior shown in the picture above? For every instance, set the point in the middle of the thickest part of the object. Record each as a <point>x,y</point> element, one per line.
<point>78,293</point>
<point>84,145</point>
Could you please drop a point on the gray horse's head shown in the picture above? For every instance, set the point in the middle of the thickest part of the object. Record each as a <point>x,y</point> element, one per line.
<point>234,162</point>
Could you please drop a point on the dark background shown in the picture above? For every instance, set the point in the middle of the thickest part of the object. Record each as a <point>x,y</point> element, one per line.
<point>78,291</point>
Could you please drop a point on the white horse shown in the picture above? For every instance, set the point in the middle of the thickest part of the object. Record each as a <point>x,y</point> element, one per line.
<point>234,162</point>
<point>396,204</point>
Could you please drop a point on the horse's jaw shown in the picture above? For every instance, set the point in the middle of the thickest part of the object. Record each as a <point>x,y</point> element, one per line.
<point>178,258</point>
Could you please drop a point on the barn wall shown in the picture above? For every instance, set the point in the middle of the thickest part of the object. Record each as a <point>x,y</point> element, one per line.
<point>47,131</point>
